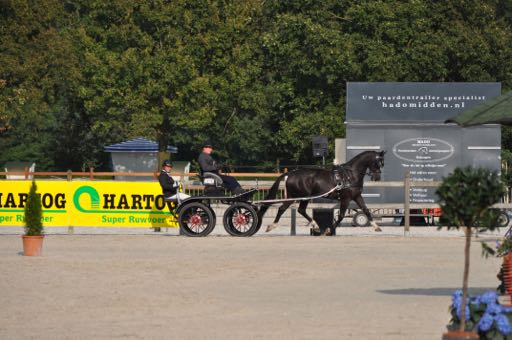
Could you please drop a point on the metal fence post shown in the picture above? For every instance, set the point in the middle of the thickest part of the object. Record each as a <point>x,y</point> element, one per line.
<point>69,177</point>
<point>407,197</point>
<point>293,228</point>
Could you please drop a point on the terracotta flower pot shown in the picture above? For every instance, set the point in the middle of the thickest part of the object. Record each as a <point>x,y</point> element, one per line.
<point>507,273</point>
<point>32,245</point>
<point>458,335</point>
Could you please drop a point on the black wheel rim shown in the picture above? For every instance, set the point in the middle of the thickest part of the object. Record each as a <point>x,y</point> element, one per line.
<point>241,220</point>
<point>196,220</point>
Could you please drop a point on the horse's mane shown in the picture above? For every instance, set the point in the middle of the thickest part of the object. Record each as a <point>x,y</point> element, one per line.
<point>356,158</point>
<point>350,163</point>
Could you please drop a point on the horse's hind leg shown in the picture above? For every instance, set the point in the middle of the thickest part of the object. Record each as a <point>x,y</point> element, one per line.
<point>280,212</point>
<point>302,210</point>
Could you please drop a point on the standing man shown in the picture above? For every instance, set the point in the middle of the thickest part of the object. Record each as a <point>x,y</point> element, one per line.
<point>208,164</point>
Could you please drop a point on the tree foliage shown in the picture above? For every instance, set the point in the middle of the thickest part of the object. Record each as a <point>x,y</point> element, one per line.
<point>465,198</point>
<point>33,213</point>
<point>259,78</point>
<point>466,195</point>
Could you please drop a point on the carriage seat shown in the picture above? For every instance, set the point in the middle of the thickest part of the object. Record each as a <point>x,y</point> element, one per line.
<point>213,184</point>
<point>211,179</point>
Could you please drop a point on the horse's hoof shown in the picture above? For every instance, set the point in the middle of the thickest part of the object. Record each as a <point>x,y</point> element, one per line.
<point>375,226</point>
<point>316,229</point>
<point>271,227</point>
<point>327,232</point>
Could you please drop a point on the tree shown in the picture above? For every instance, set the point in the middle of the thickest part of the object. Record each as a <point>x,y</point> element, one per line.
<point>258,77</point>
<point>38,74</point>
<point>465,197</point>
<point>33,213</point>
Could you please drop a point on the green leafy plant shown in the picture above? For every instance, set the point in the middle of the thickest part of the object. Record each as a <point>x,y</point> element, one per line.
<point>465,198</point>
<point>33,213</point>
<point>502,248</point>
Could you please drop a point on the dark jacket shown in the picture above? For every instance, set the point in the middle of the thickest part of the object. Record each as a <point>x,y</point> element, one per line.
<point>207,163</point>
<point>169,187</point>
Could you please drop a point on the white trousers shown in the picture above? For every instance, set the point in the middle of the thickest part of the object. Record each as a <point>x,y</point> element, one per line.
<point>181,196</point>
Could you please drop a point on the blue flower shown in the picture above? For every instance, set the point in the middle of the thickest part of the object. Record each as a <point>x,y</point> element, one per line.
<point>488,297</point>
<point>494,309</point>
<point>457,299</point>
<point>457,294</point>
<point>467,311</point>
<point>503,324</point>
<point>492,316</point>
<point>485,322</point>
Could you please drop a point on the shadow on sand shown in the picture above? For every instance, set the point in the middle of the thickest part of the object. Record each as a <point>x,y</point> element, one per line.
<point>441,291</point>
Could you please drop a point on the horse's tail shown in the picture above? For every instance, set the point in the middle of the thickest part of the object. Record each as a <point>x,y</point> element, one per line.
<point>272,193</point>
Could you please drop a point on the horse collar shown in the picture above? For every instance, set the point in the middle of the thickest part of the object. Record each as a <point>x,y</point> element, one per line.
<point>341,177</point>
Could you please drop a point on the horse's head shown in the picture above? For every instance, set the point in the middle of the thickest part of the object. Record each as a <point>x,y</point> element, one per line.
<point>376,163</point>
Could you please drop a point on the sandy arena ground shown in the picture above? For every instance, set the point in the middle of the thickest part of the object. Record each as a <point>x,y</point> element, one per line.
<point>357,285</point>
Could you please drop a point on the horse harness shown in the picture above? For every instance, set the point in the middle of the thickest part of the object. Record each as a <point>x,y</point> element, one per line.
<point>344,179</point>
<point>342,176</point>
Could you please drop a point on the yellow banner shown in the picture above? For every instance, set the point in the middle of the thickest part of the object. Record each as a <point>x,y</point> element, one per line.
<point>88,203</point>
<point>13,196</point>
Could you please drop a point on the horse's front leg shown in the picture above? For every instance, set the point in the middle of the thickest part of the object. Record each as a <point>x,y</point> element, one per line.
<point>280,212</point>
<point>360,202</point>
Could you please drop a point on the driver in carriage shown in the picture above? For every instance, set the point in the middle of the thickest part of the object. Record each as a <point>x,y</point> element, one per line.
<point>208,164</point>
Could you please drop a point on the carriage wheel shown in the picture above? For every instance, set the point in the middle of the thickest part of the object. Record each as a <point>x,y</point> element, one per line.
<point>503,219</point>
<point>360,219</point>
<point>196,219</point>
<point>241,219</point>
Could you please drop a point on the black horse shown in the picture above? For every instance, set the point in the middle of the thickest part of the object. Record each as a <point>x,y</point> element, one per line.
<point>344,183</point>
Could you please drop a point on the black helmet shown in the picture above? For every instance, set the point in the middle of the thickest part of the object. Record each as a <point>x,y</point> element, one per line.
<point>167,163</point>
<point>207,144</point>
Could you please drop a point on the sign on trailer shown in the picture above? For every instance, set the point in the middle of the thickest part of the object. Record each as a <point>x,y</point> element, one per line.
<point>407,120</point>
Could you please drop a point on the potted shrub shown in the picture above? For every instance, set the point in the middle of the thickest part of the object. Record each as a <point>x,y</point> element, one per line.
<point>33,238</point>
<point>465,198</point>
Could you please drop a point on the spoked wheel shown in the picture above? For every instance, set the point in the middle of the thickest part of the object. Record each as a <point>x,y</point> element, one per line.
<point>503,219</point>
<point>241,219</point>
<point>196,219</point>
<point>361,220</point>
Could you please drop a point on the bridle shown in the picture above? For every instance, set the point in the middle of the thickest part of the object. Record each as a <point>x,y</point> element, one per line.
<point>377,170</point>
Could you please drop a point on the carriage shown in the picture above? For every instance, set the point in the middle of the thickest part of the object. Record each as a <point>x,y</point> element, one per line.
<point>196,216</point>
<point>244,216</point>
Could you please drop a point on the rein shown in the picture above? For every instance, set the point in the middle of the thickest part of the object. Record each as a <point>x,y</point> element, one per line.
<point>337,187</point>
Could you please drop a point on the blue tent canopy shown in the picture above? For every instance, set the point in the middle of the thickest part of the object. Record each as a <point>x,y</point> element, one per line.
<point>138,145</point>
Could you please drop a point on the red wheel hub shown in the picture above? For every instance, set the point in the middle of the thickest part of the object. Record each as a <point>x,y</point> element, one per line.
<point>240,219</point>
<point>195,219</point>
